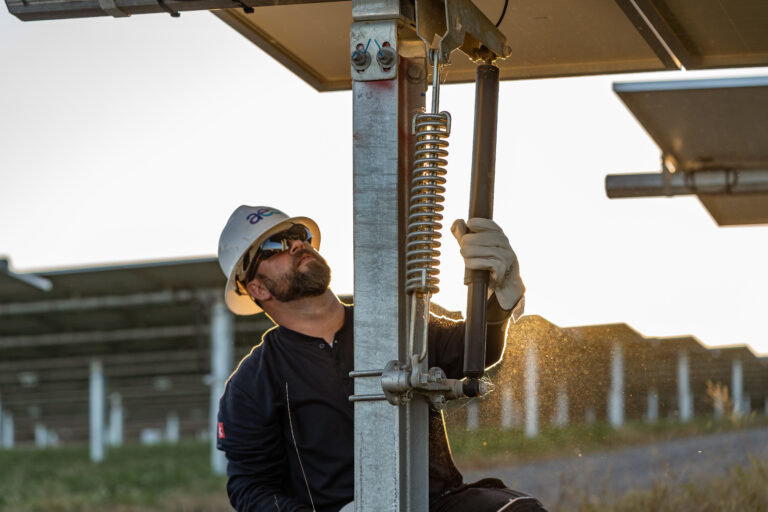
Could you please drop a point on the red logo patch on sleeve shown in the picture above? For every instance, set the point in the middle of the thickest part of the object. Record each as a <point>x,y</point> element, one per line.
<point>221,430</point>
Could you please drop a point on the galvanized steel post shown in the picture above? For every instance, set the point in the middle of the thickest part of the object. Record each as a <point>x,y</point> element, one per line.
<point>737,386</point>
<point>115,431</point>
<point>96,401</point>
<point>222,347</point>
<point>652,408</point>
<point>560,417</point>
<point>684,396</point>
<point>391,443</point>
<point>531,386</point>
<point>8,430</point>
<point>507,407</point>
<point>172,427</point>
<point>616,391</point>
<point>473,415</point>
<point>41,435</point>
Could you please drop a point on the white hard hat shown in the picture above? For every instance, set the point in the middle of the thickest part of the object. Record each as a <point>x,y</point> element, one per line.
<point>249,226</point>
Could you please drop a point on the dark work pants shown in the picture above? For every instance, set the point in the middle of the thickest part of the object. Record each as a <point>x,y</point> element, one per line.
<point>487,495</point>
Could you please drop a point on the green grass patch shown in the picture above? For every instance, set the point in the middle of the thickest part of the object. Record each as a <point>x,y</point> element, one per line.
<point>135,477</point>
<point>487,447</point>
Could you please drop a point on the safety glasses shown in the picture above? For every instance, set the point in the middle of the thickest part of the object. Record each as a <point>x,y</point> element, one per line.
<point>275,244</point>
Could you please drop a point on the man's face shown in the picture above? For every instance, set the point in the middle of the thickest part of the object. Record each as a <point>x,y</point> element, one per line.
<point>296,273</point>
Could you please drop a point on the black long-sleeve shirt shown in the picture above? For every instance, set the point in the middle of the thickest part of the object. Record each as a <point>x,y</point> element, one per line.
<point>286,422</point>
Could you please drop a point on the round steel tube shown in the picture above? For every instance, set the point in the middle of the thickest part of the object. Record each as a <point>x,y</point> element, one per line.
<point>481,205</point>
<point>731,181</point>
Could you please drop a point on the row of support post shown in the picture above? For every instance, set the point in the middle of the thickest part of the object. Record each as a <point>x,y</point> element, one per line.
<point>510,416</point>
<point>111,433</point>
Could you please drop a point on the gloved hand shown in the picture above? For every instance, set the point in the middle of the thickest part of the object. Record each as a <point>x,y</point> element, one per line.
<point>484,246</point>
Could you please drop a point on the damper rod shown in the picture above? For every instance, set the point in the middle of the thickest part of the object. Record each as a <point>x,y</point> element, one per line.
<point>481,205</point>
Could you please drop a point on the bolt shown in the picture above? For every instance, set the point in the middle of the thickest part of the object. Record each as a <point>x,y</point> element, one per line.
<point>386,56</point>
<point>438,402</point>
<point>361,59</point>
<point>415,73</point>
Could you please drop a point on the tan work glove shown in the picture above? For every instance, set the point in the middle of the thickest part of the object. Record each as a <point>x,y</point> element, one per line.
<point>484,246</point>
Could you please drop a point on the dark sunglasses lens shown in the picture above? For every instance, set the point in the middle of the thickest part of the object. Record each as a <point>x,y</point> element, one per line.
<point>275,244</point>
<point>297,232</point>
<point>265,255</point>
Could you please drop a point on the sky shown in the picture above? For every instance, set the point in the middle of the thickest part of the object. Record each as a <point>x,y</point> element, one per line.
<point>125,140</point>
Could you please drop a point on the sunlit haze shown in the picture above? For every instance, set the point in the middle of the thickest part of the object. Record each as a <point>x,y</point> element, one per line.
<point>134,139</point>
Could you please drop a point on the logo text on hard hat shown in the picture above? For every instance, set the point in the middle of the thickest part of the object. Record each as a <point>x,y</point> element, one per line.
<point>255,217</point>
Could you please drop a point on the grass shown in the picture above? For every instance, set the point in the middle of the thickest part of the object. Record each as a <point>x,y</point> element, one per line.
<point>488,447</point>
<point>742,490</point>
<point>137,478</point>
<point>132,478</point>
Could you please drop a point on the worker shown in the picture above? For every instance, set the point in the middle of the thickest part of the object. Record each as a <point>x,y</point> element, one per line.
<point>285,420</point>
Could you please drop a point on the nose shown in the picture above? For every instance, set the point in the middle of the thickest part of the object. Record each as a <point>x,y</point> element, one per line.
<point>296,245</point>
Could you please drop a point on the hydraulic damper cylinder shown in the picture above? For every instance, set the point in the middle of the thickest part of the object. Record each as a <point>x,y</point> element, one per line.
<point>481,205</point>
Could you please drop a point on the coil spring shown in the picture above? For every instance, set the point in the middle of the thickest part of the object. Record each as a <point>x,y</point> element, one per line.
<point>427,180</point>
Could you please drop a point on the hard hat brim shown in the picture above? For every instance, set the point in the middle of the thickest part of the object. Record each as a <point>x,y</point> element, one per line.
<point>244,304</point>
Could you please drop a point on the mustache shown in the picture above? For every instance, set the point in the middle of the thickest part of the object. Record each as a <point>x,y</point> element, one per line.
<point>301,253</point>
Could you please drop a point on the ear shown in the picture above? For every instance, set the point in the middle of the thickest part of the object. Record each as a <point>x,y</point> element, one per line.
<point>257,290</point>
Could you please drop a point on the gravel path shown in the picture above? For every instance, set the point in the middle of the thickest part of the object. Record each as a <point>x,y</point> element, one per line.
<point>638,467</point>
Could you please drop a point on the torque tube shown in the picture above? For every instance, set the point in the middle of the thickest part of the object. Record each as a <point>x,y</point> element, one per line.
<point>481,205</point>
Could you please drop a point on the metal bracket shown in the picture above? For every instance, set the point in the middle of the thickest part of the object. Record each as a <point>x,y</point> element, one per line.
<point>400,381</point>
<point>111,8</point>
<point>446,25</point>
<point>373,50</point>
<point>668,167</point>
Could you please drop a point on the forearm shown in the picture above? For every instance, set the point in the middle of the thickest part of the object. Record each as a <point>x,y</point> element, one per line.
<point>446,340</point>
<point>497,319</point>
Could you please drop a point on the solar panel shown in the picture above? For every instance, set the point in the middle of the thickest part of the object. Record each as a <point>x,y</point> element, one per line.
<point>706,33</point>
<point>717,124</point>
<point>549,38</point>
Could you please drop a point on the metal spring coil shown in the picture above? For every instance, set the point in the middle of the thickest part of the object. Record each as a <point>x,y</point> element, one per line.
<point>427,180</point>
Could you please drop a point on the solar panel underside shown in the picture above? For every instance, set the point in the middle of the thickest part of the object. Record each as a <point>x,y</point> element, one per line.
<point>549,38</point>
<point>716,33</point>
<point>709,124</point>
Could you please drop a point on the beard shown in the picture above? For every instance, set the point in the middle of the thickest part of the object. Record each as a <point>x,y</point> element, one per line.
<point>312,281</point>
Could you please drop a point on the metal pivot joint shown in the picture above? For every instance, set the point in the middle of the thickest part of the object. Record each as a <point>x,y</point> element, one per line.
<point>399,383</point>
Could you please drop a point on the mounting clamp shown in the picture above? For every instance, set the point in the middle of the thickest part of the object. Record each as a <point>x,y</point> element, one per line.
<point>400,381</point>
